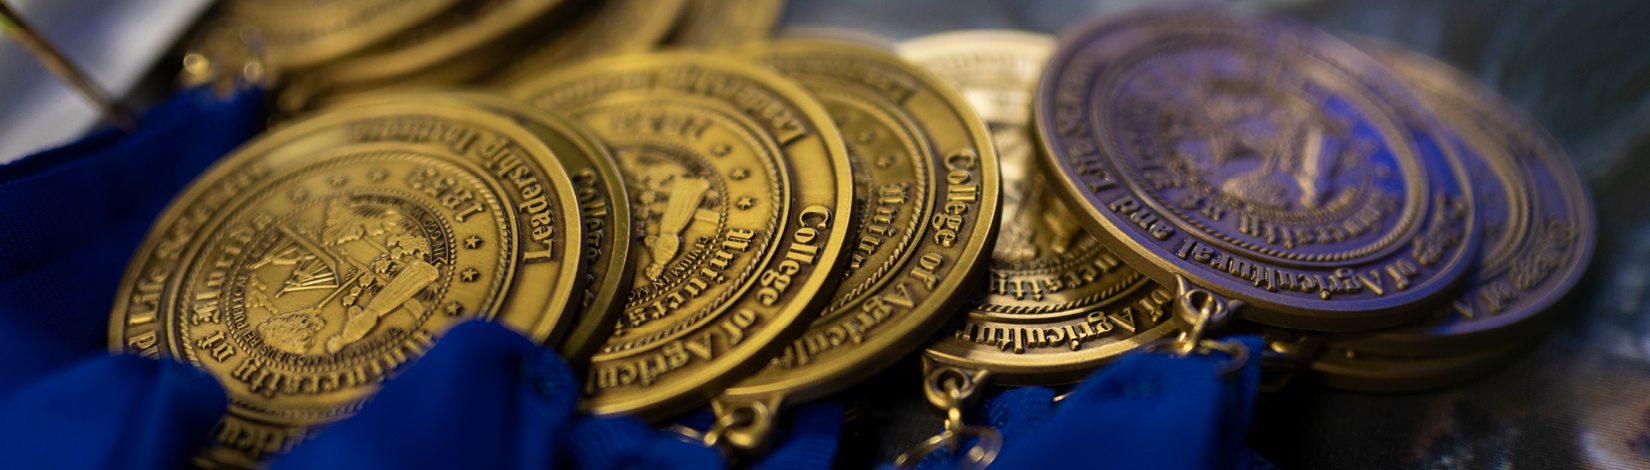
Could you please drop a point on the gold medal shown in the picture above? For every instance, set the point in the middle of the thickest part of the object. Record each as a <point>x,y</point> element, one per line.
<point>925,166</point>
<point>299,34</point>
<point>316,261</point>
<point>1056,303</point>
<point>603,202</point>
<point>461,45</point>
<point>723,23</point>
<point>610,27</point>
<point>741,193</point>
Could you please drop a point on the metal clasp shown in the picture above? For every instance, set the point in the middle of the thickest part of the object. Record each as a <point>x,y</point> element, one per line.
<point>1201,314</point>
<point>950,389</point>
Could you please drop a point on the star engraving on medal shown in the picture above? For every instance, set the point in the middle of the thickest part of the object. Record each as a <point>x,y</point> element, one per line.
<point>377,175</point>
<point>453,308</point>
<point>721,150</point>
<point>469,275</point>
<point>298,194</point>
<point>745,203</point>
<point>337,180</point>
<point>739,174</point>
<point>473,242</point>
<point>867,137</point>
<point>885,161</point>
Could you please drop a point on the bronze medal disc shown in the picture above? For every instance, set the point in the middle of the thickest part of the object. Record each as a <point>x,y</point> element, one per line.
<point>319,259</point>
<point>742,198</point>
<point>926,170</point>
<point>1539,228</point>
<point>1055,304</point>
<point>1262,160</point>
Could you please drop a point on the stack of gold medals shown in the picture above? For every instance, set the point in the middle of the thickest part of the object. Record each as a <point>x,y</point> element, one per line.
<point>692,213</point>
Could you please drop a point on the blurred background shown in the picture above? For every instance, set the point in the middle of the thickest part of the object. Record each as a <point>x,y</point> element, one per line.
<point>1579,400</point>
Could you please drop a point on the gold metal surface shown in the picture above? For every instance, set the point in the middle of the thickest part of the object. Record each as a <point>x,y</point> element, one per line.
<point>1055,304</point>
<point>609,27</point>
<point>724,23</point>
<point>742,195</point>
<point>461,45</point>
<point>603,202</point>
<point>321,258</point>
<point>300,34</point>
<point>928,175</point>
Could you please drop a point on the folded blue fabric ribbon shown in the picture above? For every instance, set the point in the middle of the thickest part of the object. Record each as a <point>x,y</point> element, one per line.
<point>1146,411</point>
<point>484,397</point>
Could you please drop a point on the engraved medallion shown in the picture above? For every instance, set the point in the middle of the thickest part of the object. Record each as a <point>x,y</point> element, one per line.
<point>723,23</point>
<point>1539,227</point>
<point>1055,303</point>
<point>609,27</point>
<point>742,198</point>
<point>603,203</point>
<point>317,261</point>
<point>1260,159</point>
<point>299,34</point>
<point>927,175</point>
<point>460,45</point>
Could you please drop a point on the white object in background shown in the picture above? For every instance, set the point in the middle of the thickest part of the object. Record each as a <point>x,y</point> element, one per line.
<point>115,42</point>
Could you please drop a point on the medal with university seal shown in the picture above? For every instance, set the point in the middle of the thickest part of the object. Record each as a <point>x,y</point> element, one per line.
<point>1258,161</point>
<point>603,202</point>
<point>318,260</point>
<point>742,197</point>
<point>1054,303</point>
<point>927,173</point>
<point>1539,237</point>
<point>1539,226</point>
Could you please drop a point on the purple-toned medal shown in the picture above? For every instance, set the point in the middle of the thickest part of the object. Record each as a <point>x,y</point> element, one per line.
<point>1539,232</point>
<point>1274,173</point>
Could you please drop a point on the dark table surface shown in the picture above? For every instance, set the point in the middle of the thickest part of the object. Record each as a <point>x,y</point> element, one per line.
<point>1580,399</point>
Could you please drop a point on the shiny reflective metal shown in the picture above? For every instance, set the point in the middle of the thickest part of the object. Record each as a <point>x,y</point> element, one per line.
<point>598,29</point>
<point>950,390</point>
<point>1055,303</point>
<point>604,204</point>
<point>1261,159</point>
<point>742,194</point>
<point>463,44</point>
<point>724,23</point>
<point>1540,226</point>
<point>302,34</point>
<point>320,259</point>
<point>927,174</point>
